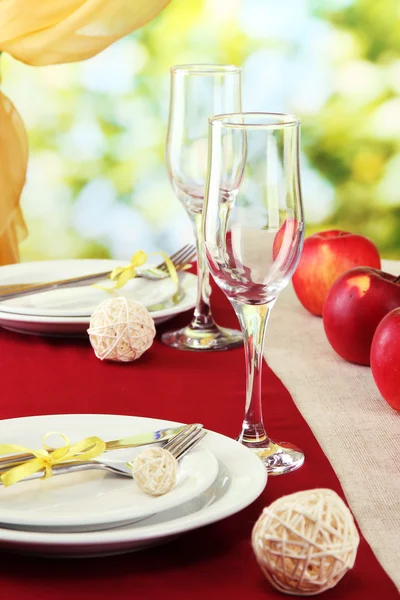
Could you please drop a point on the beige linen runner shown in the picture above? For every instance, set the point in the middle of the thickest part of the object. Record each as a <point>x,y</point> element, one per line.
<point>356,428</point>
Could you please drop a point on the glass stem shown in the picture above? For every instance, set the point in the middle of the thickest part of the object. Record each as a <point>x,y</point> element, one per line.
<point>253,320</point>
<point>202,318</point>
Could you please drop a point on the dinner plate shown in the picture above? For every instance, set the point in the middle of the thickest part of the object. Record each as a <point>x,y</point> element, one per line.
<point>241,479</point>
<point>67,311</point>
<point>97,499</point>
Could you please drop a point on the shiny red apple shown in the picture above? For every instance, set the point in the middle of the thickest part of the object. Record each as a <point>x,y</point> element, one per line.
<point>326,255</point>
<point>385,358</point>
<point>354,307</point>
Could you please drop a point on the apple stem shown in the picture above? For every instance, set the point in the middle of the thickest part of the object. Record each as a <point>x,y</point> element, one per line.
<point>397,280</point>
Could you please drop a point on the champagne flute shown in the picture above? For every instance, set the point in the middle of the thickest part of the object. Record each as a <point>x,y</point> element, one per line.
<point>253,230</point>
<point>197,93</point>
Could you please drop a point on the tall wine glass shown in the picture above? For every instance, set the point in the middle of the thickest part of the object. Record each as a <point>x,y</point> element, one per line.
<point>253,230</point>
<point>197,93</point>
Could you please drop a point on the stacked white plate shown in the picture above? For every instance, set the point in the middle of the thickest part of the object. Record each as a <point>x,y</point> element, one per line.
<point>67,311</point>
<point>94,513</point>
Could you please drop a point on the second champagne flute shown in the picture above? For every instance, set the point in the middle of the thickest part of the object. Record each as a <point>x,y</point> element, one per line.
<point>254,231</point>
<point>197,93</point>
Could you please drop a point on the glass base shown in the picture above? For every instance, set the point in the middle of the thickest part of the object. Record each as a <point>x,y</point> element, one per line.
<point>204,340</point>
<point>278,458</point>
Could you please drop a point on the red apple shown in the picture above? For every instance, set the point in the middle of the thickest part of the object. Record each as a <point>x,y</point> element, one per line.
<point>326,255</point>
<point>385,358</point>
<point>354,307</point>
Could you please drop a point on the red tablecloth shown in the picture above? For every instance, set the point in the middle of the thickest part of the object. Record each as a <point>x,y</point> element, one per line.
<point>52,376</point>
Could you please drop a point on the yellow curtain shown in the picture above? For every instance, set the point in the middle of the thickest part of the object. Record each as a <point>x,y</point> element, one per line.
<point>13,161</point>
<point>44,32</point>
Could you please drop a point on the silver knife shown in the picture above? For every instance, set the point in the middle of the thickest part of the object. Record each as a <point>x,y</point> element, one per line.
<point>139,439</point>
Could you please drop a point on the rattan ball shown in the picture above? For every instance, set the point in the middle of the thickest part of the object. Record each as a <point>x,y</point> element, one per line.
<point>121,330</point>
<point>305,542</point>
<point>155,471</point>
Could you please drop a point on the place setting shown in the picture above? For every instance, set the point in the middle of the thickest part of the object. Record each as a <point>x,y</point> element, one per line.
<point>65,307</point>
<point>161,480</point>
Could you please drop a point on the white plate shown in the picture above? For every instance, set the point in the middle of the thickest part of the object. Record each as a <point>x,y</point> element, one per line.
<point>241,479</point>
<point>67,311</point>
<point>92,499</point>
<point>76,301</point>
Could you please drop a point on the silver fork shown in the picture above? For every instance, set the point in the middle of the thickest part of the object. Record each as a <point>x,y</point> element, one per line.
<point>179,259</point>
<point>179,445</point>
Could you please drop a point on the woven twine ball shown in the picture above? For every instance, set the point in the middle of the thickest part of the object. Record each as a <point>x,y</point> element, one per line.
<point>305,542</point>
<point>155,471</point>
<point>121,330</point>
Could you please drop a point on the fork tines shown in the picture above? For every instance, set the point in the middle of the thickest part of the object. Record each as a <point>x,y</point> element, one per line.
<point>181,257</point>
<point>183,441</point>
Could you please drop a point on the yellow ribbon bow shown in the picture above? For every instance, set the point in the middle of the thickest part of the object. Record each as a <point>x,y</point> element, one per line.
<point>44,460</point>
<point>121,275</point>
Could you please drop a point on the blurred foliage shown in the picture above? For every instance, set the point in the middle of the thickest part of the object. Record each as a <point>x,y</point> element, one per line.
<point>97,185</point>
<point>355,140</point>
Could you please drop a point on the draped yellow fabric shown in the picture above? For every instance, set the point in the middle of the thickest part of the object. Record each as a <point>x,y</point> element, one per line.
<point>13,161</point>
<point>45,32</point>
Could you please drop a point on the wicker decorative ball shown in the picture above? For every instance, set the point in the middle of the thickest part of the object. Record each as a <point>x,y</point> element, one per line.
<point>305,542</point>
<point>155,471</point>
<point>121,330</point>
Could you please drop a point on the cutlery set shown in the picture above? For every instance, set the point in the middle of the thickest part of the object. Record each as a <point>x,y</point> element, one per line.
<point>179,441</point>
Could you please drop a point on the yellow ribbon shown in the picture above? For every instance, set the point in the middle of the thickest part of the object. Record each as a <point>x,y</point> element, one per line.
<point>121,275</point>
<point>44,460</point>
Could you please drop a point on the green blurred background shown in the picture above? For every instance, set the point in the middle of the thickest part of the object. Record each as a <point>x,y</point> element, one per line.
<point>97,185</point>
